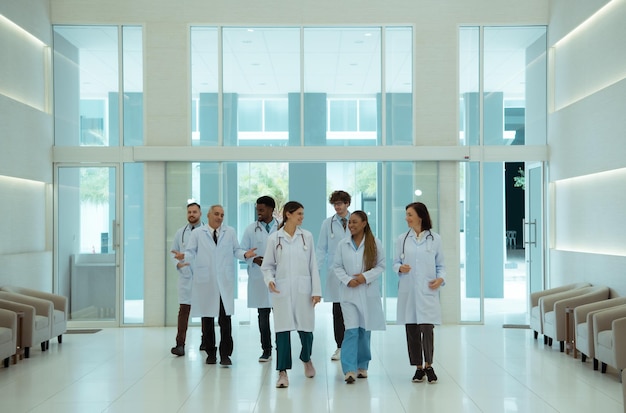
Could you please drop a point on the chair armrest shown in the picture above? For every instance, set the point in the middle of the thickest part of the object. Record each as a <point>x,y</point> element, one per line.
<point>547,303</point>
<point>42,307</point>
<point>534,297</point>
<point>603,320</point>
<point>619,346</point>
<point>581,312</point>
<point>598,294</point>
<point>59,301</point>
<point>8,319</point>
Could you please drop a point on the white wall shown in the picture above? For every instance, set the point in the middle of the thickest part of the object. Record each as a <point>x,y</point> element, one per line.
<point>26,140</point>
<point>586,138</point>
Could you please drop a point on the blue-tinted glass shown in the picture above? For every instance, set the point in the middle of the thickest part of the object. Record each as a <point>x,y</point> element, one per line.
<point>367,115</point>
<point>277,115</point>
<point>343,115</point>
<point>250,115</point>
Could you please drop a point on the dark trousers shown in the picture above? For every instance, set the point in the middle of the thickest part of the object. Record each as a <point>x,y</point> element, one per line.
<point>183,321</point>
<point>420,339</point>
<point>283,348</point>
<point>226,334</point>
<point>264,329</point>
<point>338,326</point>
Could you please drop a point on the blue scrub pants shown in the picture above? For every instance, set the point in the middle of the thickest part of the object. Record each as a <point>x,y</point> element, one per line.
<point>355,350</point>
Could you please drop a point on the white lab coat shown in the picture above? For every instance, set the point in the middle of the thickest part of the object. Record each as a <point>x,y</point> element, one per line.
<point>365,298</point>
<point>293,268</point>
<point>417,303</point>
<point>184,273</point>
<point>213,270</point>
<point>331,233</point>
<point>255,236</point>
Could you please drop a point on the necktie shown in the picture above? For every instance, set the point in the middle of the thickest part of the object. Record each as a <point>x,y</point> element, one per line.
<point>267,227</point>
<point>343,222</point>
<point>215,235</point>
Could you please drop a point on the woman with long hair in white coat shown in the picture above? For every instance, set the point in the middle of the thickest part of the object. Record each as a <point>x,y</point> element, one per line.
<point>359,263</point>
<point>291,274</point>
<point>419,265</point>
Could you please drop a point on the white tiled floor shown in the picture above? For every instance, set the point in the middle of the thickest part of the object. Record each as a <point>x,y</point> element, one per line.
<point>480,368</point>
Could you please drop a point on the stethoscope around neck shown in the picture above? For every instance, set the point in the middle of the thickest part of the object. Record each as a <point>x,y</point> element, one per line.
<point>182,241</point>
<point>430,234</point>
<point>258,226</point>
<point>304,246</point>
<point>332,233</point>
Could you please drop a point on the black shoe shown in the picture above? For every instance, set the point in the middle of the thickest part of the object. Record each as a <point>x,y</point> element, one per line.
<point>225,361</point>
<point>211,360</point>
<point>178,350</point>
<point>202,348</point>
<point>266,356</point>
<point>430,373</point>
<point>418,377</point>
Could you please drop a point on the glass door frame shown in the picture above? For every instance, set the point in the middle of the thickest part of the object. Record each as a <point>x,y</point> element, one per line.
<point>115,243</point>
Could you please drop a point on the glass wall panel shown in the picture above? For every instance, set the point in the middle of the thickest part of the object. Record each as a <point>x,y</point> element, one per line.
<point>342,71</point>
<point>470,272</point>
<point>204,86</point>
<point>469,84</point>
<point>87,240</point>
<point>261,85</point>
<point>514,85</point>
<point>381,189</point>
<point>399,85</point>
<point>132,52</point>
<point>86,85</point>
<point>133,243</point>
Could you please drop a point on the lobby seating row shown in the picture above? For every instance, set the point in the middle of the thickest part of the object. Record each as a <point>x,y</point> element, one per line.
<point>40,316</point>
<point>585,318</point>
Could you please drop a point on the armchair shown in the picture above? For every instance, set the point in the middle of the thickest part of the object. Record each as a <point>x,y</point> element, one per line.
<point>583,326</point>
<point>536,318</point>
<point>609,333</point>
<point>8,335</point>
<point>58,324</point>
<point>32,332</point>
<point>554,323</point>
<point>43,312</point>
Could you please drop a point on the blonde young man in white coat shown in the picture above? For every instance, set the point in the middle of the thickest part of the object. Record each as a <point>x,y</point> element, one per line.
<point>419,265</point>
<point>194,213</point>
<point>291,274</point>
<point>255,236</point>
<point>212,250</point>
<point>359,264</point>
<point>333,230</point>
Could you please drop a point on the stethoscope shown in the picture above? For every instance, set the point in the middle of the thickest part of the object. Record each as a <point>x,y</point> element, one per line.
<point>258,226</point>
<point>182,241</point>
<point>430,234</point>
<point>304,246</point>
<point>332,233</point>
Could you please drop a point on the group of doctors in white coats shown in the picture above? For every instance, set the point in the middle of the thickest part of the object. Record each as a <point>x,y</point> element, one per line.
<point>288,266</point>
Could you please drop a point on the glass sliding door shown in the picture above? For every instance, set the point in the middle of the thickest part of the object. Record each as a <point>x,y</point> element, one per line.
<point>88,241</point>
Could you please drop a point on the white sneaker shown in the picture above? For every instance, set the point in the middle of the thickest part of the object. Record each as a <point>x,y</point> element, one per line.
<point>283,380</point>
<point>362,374</point>
<point>309,370</point>
<point>336,355</point>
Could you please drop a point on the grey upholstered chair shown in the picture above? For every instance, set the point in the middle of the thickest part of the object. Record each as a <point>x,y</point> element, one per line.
<point>583,326</point>
<point>536,318</point>
<point>43,312</point>
<point>609,333</point>
<point>8,335</point>
<point>58,324</point>
<point>32,333</point>
<point>554,323</point>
